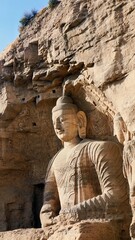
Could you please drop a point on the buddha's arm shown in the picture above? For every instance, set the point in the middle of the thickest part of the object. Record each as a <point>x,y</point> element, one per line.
<point>108,164</point>
<point>51,204</point>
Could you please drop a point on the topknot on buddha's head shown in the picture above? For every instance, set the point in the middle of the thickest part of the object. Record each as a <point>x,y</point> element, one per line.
<point>64,102</point>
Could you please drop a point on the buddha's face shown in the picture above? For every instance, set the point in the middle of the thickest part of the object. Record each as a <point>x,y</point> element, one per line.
<point>65,124</point>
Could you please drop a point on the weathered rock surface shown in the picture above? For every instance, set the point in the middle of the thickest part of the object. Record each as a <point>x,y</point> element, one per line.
<point>23,234</point>
<point>93,40</point>
<point>84,47</point>
<point>80,231</point>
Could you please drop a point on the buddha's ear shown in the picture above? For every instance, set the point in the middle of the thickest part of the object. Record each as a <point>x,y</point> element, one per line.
<point>82,123</point>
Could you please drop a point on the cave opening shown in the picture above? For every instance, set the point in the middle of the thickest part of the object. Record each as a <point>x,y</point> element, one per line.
<point>37,204</point>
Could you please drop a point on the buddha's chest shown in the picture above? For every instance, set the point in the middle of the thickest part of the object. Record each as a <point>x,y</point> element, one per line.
<point>76,178</point>
<point>64,168</point>
<point>72,170</point>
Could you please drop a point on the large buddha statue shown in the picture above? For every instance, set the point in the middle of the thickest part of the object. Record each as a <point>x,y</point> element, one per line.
<point>84,180</point>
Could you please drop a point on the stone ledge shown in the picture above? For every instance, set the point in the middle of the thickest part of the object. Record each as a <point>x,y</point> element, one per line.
<point>23,234</point>
<point>84,230</point>
<point>87,230</point>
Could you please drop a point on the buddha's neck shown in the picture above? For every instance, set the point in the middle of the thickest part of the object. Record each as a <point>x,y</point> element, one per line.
<point>72,143</point>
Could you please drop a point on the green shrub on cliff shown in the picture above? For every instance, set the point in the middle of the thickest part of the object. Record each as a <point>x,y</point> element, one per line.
<point>53,3</point>
<point>25,20</point>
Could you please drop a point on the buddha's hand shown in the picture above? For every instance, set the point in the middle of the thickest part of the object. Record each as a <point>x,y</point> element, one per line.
<point>47,215</point>
<point>69,215</point>
<point>132,228</point>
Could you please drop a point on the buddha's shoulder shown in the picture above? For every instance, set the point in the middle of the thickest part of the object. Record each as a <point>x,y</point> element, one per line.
<point>100,144</point>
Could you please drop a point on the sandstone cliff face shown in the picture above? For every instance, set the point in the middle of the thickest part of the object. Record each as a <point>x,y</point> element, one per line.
<point>85,48</point>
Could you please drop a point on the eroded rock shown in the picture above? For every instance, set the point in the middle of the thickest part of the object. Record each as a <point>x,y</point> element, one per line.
<point>85,49</point>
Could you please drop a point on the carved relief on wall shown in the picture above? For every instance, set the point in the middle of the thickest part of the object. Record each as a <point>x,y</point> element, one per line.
<point>26,147</point>
<point>127,138</point>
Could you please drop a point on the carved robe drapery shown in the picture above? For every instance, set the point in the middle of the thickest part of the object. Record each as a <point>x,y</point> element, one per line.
<point>85,179</point>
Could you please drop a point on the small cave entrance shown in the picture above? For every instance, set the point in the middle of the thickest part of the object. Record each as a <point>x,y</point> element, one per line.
<point>13,213</point>
<point>37,203</point>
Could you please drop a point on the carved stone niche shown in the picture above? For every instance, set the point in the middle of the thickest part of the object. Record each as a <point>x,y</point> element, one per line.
<point>31,53</point>
<point>89,224</point>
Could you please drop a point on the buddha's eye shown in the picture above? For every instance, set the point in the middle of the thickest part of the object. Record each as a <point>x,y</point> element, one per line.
<point>61,120</point>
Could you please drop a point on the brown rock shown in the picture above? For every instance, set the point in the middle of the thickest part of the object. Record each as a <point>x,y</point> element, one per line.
<point>85,48</point>
<point>23,234</point>
<point>87,231</point>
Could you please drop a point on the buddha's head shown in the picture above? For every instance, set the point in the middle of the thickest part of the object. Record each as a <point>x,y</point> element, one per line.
<point>68,121</point>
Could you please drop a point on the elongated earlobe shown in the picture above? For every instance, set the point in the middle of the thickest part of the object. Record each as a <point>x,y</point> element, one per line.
<point>82,122</point>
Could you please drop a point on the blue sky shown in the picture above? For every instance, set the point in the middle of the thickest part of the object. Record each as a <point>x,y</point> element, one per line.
<point>11,12</point>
